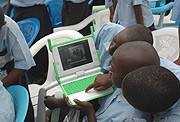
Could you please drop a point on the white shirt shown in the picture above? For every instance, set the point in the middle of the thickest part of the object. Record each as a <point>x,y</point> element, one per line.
<point>26,3</point>
<point>7,113</point>
<point>125,12</point>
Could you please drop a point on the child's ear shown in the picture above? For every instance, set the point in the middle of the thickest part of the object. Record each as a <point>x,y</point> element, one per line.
<point>4,22</point>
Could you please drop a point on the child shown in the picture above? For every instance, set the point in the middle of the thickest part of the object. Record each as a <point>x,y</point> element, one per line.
<point>15,56</point>
<point>108,39</point>
<point>104,37</point>
<point>176,17</point>
<point>111,4</point>
<point>130,12</point>
<point>112,35</point>
<point>7,113</point>
<point>154,89</point>
<point>24,9</point>
<point>141,54</point>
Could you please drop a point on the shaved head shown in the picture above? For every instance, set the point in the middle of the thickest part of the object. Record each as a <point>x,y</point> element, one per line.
<point>137,32</point>
<point>131,56</point>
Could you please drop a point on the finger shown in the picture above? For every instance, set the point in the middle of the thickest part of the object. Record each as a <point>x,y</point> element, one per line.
<point>99,88</point>
<point>78,102</point>
<point>64,96</point>
<point>66,100</point>
<point>90,87</point>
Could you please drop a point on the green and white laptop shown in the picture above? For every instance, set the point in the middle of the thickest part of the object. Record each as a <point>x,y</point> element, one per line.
<point>76,64</point>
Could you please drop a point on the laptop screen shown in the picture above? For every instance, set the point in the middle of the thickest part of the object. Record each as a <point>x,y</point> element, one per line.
<point>75,54</point>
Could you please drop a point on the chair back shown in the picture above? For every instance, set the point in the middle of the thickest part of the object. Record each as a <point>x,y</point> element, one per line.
<point>21,101</point>
<point>161,11</point>
<point>99,19</point>
<point>54,8</point>
<point>156,3</point>
<point>50,86</point>
<point>30,28</point>
<point>166,42</point>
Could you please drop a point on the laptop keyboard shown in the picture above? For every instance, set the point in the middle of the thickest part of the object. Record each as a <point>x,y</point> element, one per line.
<point>79,85</point>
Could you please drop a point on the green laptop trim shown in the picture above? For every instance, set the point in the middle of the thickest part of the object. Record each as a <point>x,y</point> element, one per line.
<point>55,67</point>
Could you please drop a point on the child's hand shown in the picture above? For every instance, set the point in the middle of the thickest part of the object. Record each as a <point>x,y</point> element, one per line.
<point>86,107</point>
<point>52,102</point>
<point>101,82</point>
<point>177,61</point>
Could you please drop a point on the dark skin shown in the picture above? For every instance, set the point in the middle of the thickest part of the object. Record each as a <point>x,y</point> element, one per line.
<point>13,75</point>
<point>116,73</point>
<point>178,60</point>
<point>98,83</point>
<point>138,13</point>
<point>112,10</point>
<point>102,81</point>
<point>8,8</point>
<point>88,108</point>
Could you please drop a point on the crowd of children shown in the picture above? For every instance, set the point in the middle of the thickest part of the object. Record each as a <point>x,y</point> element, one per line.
<point>146,85</point>
<point>15,60</point>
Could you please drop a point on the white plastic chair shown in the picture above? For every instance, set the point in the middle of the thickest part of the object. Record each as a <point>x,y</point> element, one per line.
<point>100,18</point>
<point>38,92</point>
<point>166,42</point>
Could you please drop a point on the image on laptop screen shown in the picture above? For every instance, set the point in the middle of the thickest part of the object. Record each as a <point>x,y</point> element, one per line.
<point>75,54</point>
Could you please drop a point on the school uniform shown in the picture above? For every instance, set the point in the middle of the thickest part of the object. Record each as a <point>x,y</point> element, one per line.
<point>15,53</point>
<point>115,108</point>
<point>7,113</point>
<point>175,11</point>
<point>124,12</point>
<point>103,38</point>
<point>35,8</point>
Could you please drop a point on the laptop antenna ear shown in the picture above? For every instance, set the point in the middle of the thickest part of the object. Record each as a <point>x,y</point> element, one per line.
<point>50,45</point>
<point>92,31</point>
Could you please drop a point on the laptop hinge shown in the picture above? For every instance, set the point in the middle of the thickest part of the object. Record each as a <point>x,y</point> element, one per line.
<point>80,73</point>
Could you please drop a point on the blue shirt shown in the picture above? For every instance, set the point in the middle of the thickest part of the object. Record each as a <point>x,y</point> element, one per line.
<point>125,12</point>
<point>108,3</point>
<point>115,108</point>
<point>7,113</point>
<point>12,39</point>
<point>26,3</point>
<point>3,3</point>
<point>176,11</point>
<point>103,38</point>
<point>172,114</point>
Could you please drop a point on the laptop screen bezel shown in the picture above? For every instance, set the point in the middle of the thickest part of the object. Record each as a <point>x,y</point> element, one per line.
<point>91,65</point>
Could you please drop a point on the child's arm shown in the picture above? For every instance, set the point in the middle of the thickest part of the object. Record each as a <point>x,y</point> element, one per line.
<point>112,10</point>
<point>101,82</point>
<point>178,60</point>
<point>138,14</point>
<point>12,77</point>
<point>86,107</point>
<point>8,8</point>
<point>53,103</point>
